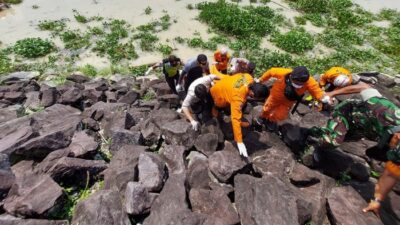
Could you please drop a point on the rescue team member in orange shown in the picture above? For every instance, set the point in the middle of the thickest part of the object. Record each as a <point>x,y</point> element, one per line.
<point>289,87</point>
<point>337,77</point>
<point>232,91</point>
<point>222,58</point>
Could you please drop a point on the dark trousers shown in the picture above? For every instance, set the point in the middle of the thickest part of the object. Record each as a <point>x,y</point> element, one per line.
<point>202,109</point>
<point>172,81</point>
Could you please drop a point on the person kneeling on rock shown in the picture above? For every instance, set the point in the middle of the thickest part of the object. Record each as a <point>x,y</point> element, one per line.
<point>232,91</point>
<point>198,100</point>
<point>375,116</point>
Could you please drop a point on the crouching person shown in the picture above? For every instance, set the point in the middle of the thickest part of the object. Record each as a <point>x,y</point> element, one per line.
<point>199,101</point>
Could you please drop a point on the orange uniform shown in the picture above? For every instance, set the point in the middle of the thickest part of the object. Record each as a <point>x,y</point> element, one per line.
<point>222,63</point>
<point>277,106</point>
<point>330,75</point>
<point>232,91</point>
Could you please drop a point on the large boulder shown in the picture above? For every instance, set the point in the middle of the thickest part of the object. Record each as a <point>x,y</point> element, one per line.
<point>224,164</point>
<point>104,207</point>
<point>71,96</point>
<point>278,161</point>
<point>10,113</point>
<point>19,76</point>
<point>173,156</point>
<point>7,180</point>
<point>33,196</point>
<point>32,100</point>
<point>138,200</point>
<point>215,204</point>
<point>129,98</point>
<point>77,78</point>
<point>119,120</point>
<point>82,145</point>
<point>179,132</point>
<point>207,143</point>
<point>11,220</point>
<point>49,97</point>
<point>123,137</point>
<point>345,207</point>
<point>197,173</point>
<point>104,110</point>
<point>151,171</point>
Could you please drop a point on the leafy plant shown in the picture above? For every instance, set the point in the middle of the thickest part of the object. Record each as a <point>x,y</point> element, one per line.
<point>5,63</point>
<point>149,95</point>
<point>52,25</point>
<point>165,49</point>
<point>375,174</point>
<point>13,1</point>
<point>189,6</point>
<point>147,10</point>
<point>79,17</point>
<point>312,6</point>
<point>344,177</point>
<point>180,40</point>
<point>316,19</point>
<point>138,70</point>
<point>338,38</point>
<point>33,47</point>
<point>88,70</point>
<point>147,41</point>
<point>296,41</point>
<point>75,40</point>
<point>35,6</point>
<point>300,20</point>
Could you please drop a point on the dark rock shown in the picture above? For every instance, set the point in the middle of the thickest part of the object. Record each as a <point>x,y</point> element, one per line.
<point>111,96</point>
<point>179,132</point>
<point>293,135</point>
<point>386,81</point>
<point>256,141</point>
<point>10,113</point>
<point>226,188</point>
<point>14,97</point>
<point>207,143</point>
<point>7,180</point>
<point>23,167</point>
<point>278,161</point>
<point>16,138</point>
<point>10,220</point>
<point>104,207</point>
<point>125,137</point>
<point>129,98</point>
<point>19,76</point>
<point>269,201</point>
<point>197,172</point>
<point>71,96</point>
<point>345,207</point>
<point>138,114</point>
<point>138,200</point>
<point>151,171</point>
<point>77,78</point>
<point>31,86</point>
<point>104,110</point>
<point>4,162</point>
<point>215,204</point>
<point>119,120</point>
<point>47,163</point>
<point>303,109</point>
<point>92,96</point>
<point>169,101</point>
<point>49,97</point>
<point>91,124</point>
<point>99,85</point>
<point>173,156</point>
<point>122,168</point>
<point>82,145</point>
<point>312,119</point>
<point>358,148</point>
<point>224,164</point>
<point>161,89</point>
<point>33,196</point>
<point>32,100</point>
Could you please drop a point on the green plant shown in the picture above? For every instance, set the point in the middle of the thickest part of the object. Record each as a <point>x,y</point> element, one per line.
<point>147,41</point>
<point>339,38</point>
<point>13,1</point>
<point>52,25</point>
<point>296,41</point>
<point>5,63</point>
<point>388,14</point>
<point>300,20</point>
<point>75,40</point>
<point>79,17</point>
<point>165,49</point>
<point>375,174</point>
<point>96,31</point>
<point>189,6</point>
<point>180,40</point>
<point>88,70</point>
<point>147,10</point>
<point>30,111</point>
<point>343,178</point>
<point>105,147</point>
<point>35,6</point>
<point>149,95</point>
<point>33,47</point>
<point>312,6</point>
<point>316,19</point>
<point>253,1</point>
<point>138,70</point>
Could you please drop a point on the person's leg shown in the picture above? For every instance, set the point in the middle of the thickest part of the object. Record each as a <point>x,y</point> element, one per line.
<point>171,83</point>
<point>207,108</point>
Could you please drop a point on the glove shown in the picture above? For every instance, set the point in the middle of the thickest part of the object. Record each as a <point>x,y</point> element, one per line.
<point>256,80</point>
<point>195,125</point>
<point>242,149</point>
<point>326,99</point>
<point>179,87</point>
<point>148,71</point>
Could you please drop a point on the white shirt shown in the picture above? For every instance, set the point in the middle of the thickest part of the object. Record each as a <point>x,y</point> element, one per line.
<point>191,97</point>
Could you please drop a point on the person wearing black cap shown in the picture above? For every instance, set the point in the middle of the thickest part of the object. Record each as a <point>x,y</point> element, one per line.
<point>193,69</point>
<point>289,87</point>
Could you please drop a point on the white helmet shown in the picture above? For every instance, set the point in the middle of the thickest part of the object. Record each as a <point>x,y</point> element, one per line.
<point>341,81</point>
<point>223,51</point>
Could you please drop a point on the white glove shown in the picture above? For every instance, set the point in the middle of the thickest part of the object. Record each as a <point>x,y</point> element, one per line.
<point>195,125</point>
<point>148,71</point>
<point>256,80</point>
<point>179,87</point>
<point>326,99</point>
<point>242,149</point>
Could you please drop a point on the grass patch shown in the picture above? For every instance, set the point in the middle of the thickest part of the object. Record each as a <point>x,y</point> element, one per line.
<point>165,49</point>
<point>148,96</point>
<point>33,47</point>
<point>13,1</point>
<point>79,17</point>
<point>88,70</point>
<point>147,10</point>
<point>74,40</point>
<point>5,63</point>
<point>295,41</point>
<point>339,38</point>
<point>52,25</point>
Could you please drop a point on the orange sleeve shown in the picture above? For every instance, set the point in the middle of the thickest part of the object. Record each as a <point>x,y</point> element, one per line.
<point>274,72</point>
<point>216,56</point>
<point>236,117</point>
<point>322,80</point>
<point>314,89</point>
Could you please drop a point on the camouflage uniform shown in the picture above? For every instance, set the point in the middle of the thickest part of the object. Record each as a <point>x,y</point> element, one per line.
<point>377,118</point>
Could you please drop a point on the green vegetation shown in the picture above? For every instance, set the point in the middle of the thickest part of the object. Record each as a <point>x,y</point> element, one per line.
<point>165,49</point>
<point>74,40</point>
<point>79,17</point>
<point>35,6</point>
<point>147,10</point>
<point>13,1</point>
<point>295,41</point>
<point>149,95</point>
<point>300,20</point>
<point>88,70</point>
<point>52,25</point>
<point>33,47</point>
<point>339,38</point>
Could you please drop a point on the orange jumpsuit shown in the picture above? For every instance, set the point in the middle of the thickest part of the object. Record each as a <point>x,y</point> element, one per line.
<point>330,75</point>
<point>222,63</point>
<point>231,91</point>
<point>277,106</point>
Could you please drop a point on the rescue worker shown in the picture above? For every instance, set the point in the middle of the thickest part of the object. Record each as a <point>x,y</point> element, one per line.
<point>375,116</point>
<point>232,91</point>
<point>222,58</point>
<point>337,77</point>
<point>194,68</point>
<point>198,100</point>
<point>170,67</point>
<point>289,87</point>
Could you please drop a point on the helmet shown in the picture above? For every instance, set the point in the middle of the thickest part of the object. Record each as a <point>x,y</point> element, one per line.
<point>341,81</point>
<point>300,74</point>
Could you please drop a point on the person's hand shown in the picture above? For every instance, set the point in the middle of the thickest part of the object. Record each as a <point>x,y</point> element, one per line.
<point>179,87</point>
<point>373,206</point>
<point>256,80</point>
<point>242,149</point>
<point>327,99</point>
<point>148,71</point>
<point>394,140</point>
<point>195,125</point>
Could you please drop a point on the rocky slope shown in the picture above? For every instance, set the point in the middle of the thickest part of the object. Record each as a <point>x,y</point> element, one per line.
<point>140,162</point>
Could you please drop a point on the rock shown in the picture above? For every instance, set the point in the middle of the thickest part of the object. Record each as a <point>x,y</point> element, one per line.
<point>89,123</point>
<point>358,148</point>
<point>82,145</point>
<point>9,143</point>
<point>71,96</point>
<point>197,172</point>
<point>151,171</point>
<point>119,120</point>
<point>98,85</point>
<point>215,204</point>
<point>256,141</point>
<point>294,136</point>
<point>7,180</point>
<point>129,98</point>
<point>10,220</point>
<point>122,168</point>
<point>14,97</point>
<point>47,163</point>
<point>169,101</point>
<point>10,113</point>
<point>179,132</point>
<point>33,196</point>
<point>269,201</point>
<point>32,86</point>
<point>277,161</point>
<point>125,137</point>
<point>104,207</point>
<point>77,78</point>
<point>173,156</point>
<point>4,162</point>
<point>92,96</point>
<point>32,100</point>
<point>49,97</point>
<point>386,80</point>
<point>111,97</point>
<point>207,143</point>
<point>19,76</point>
<point>161,89</point>
<point>224,164</point>
<point>23,167</point>
<point>138,114</point>
<point>345,207</point>
<point>102,109</point>
<point>137,199</point>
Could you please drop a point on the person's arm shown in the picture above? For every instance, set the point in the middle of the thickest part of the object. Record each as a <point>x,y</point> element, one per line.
<point>236,117</point>
<point>274,72</point>
<point>314,89</point>
<point>187,113</point>
<point>322,80</point>
<point>184,72</point>
<point>357,88</point>
<point>151,68</point>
